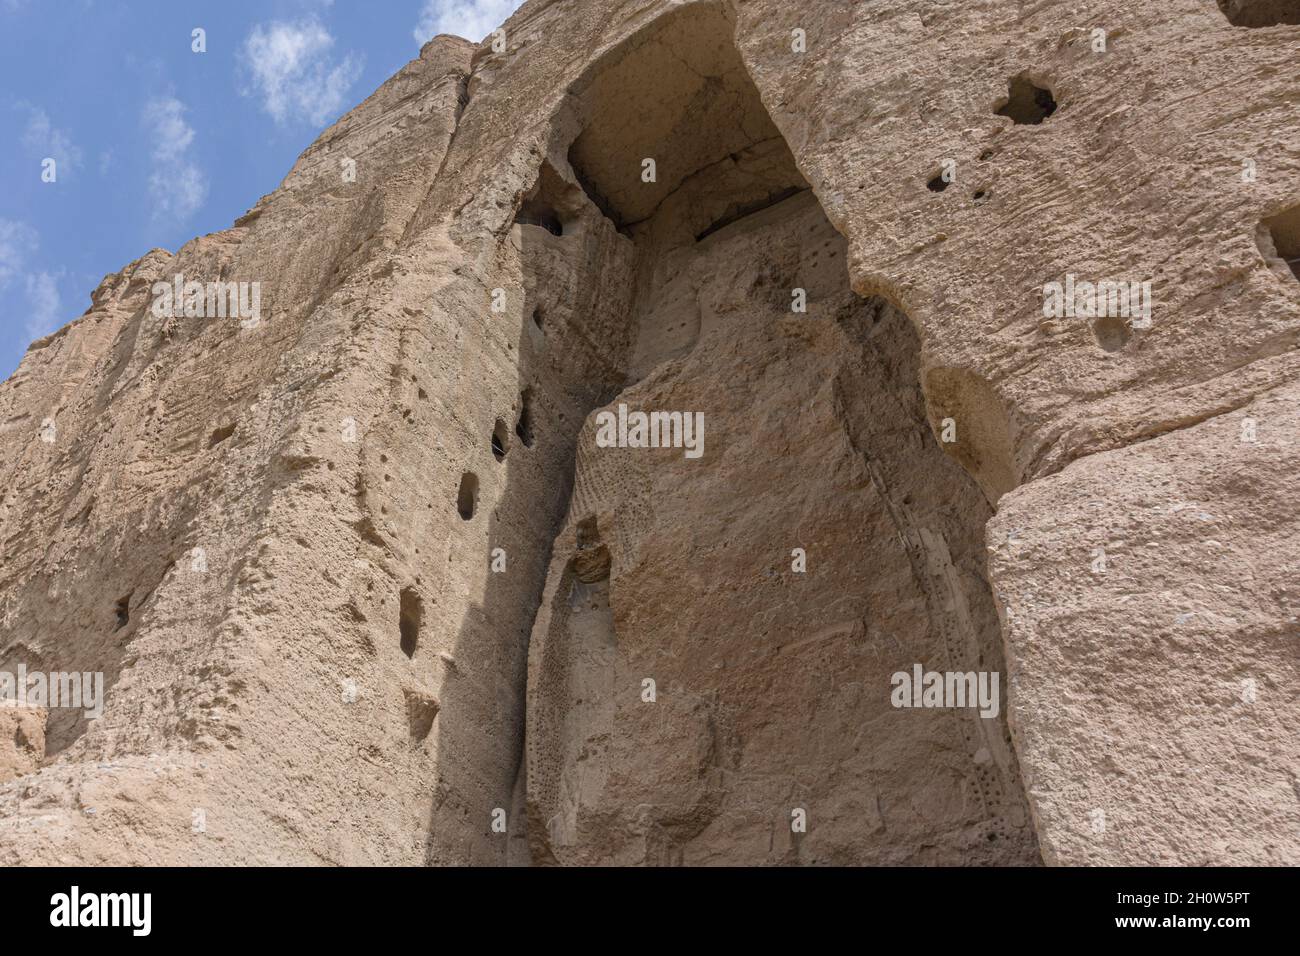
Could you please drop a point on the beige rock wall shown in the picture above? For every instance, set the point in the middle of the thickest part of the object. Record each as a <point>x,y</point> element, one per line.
<point>338,675</point>
<point>767,694</point>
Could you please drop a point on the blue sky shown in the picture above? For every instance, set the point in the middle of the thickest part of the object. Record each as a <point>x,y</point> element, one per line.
<point>153,143</point>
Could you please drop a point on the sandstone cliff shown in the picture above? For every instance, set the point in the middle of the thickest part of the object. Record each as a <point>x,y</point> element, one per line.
<point>365,589</point>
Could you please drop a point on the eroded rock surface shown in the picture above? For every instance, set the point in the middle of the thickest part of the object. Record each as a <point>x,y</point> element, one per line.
<point>1153,648</point>
<point>768,677</point>
<point>364,589</point>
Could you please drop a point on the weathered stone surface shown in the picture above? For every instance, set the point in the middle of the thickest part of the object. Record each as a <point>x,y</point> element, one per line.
<point>1153,646</point>
<point>771,684</point>
<point>362,585</point>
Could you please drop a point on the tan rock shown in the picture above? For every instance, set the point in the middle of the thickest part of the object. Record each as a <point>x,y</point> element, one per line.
<point>364,588</point>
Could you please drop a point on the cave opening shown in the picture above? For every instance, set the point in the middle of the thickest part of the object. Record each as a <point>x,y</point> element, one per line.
<point>410,615</point>
<point>220,434</point>
<point>1280,239</point>
<point>123,611</point>
<point>467,495</point>
<point>1261,13</point>
<point>534,212</point>
<point>1026,102</point>
<point>524,423</point>
<point>1112,332</point>
<point>500,440</point>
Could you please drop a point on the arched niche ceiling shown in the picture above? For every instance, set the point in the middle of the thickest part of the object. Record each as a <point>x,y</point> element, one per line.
<point>677,94</point>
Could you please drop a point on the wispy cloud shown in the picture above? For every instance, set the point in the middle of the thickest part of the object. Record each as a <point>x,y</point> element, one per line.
<point>43,140</point>
<point>471,19</point>
<point>17,239</point>
<point>288,66</point>
<point>177,185</point>
<point>44,306</point>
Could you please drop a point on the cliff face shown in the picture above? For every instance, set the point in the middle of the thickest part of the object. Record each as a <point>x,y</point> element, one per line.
<point>365,587</point>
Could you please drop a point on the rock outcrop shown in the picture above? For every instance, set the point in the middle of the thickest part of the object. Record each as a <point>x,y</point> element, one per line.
<point>366,584</point>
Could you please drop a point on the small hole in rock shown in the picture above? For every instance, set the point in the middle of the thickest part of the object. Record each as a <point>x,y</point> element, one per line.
<point>220,435</point>
<point>410,616</point>
<point>123,609</point>
<point>1027,103</point>
<point>524,425</point>
<point>938,184</point>
<point>1112,333</point>
<point>467,498</point>
<point>500,439</point>
<point>421,711</point>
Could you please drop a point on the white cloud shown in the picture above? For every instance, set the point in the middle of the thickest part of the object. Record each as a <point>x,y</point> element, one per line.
<point>165,118</point>
<point>471,19</point>
<point>44,305</point>
<point>43,140</point>
<point>17,239</point>
<point>45,308</point>
<point>176,183</point>
<point>289,67</point>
